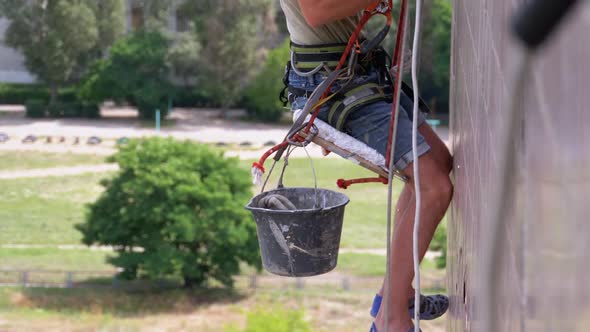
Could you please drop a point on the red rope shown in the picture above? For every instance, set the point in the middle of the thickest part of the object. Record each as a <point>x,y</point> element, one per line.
<point>396,61</point>
<point>260,163</point>
<point>344,184</point>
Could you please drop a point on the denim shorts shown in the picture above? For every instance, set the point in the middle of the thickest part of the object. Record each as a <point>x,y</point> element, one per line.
<point>370,124</point>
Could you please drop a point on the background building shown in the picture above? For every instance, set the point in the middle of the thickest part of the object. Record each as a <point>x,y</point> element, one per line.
<point>12,68</point>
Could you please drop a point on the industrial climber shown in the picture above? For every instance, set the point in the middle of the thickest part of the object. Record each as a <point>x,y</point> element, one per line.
<point>319,31</point>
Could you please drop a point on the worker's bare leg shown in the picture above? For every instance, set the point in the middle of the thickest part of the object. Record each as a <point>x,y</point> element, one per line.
<point>444,158</point>
<point>436,190</point>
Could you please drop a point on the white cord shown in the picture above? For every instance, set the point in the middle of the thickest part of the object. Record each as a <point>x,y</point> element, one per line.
<point>415,48</point>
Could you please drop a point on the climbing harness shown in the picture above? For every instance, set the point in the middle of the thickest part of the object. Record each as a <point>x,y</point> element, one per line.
<point>348,100</point>
<point>304,57</point>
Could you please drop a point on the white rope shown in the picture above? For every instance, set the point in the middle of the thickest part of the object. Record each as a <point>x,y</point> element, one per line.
<point>415,53</point>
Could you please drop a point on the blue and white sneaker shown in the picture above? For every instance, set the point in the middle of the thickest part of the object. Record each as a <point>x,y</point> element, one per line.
<point>431,306</point>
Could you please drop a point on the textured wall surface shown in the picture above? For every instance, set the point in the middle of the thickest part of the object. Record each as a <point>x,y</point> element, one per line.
<point>542,283</point>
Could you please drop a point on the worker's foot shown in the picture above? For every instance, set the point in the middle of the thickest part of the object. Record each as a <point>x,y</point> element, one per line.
<point>398,320</point>
<point>393,328</point>
<point>431,306</point>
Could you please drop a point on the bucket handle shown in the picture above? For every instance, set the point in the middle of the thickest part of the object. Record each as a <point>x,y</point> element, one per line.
<point>280,184</point>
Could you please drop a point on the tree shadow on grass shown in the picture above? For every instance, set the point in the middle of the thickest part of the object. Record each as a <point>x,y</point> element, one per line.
<point>126,301</point>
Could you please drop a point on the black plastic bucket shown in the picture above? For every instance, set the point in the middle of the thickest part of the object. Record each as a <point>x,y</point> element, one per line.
<point>302,242</point>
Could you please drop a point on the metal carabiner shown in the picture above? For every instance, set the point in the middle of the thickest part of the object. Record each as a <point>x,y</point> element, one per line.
<point>383,8</point>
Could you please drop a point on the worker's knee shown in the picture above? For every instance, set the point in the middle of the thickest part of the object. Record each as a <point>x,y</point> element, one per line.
<point>437,188</point>
<point>435,183</point>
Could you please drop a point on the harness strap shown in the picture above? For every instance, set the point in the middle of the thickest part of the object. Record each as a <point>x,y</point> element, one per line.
<point>353,100</point>
<point>312,56</point>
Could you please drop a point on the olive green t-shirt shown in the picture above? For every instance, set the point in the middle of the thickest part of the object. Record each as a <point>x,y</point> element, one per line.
<point>303,34</point>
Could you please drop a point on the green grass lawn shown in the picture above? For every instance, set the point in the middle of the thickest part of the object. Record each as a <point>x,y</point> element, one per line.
<point>371,265</point>
<point>54,259</point>
<point>45,210</point>
<point>22,160</point>
<point>358,264</point>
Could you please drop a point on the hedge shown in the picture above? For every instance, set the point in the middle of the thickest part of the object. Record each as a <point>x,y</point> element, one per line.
<point>39,109</point>
<point>18,94</point>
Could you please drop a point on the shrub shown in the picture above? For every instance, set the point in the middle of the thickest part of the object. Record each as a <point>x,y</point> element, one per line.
<point>135,72</point>
<point>68,95</point>
<point>35,108</point>
<point>19,94</point>
<point>72,110</point>
<point>192,97</point>
<point>90,110</point>
<point>183,204</point>
<point>55,110</point>
<point>261,97</point>
<point>439,243</point>
<point>277,320</point>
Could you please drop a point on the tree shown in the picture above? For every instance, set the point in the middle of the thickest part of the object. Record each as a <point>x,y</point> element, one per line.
<point>261,97</point>
<point>230,32</point>
<point>135,72</point>
<point>184,56</point>
<point>157,13</point>
<point>110,19</point>
<point>435,74</point>
<point>439,243</point>
<point>183,205</point>
<point>52,35</point>
<point>435,51</point>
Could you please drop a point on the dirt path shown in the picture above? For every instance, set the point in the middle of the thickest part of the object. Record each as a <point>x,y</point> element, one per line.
<point>58,171</point>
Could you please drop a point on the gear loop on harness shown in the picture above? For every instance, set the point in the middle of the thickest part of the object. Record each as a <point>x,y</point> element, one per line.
<point>307,73</point>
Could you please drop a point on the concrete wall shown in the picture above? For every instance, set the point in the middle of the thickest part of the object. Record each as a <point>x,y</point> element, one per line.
<point>542,283</point>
